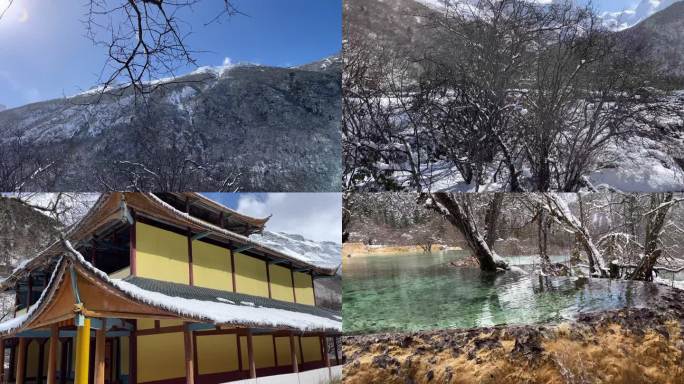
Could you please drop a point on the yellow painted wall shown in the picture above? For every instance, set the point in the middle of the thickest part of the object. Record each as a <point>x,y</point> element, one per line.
<point>32,359</point>
<point>161,356</point>
<point>217,353</point>
<point>161,254</point>
<point>250,275</point>
<point>304,288</point>
<point>311,346</point>
<point>170,323</point>
<point>144,323</point>
<point>211,266</point>
<point>263,351</point>
<point>283,348</point>
<point>244,355</point>
<point>281,283</point>
<point>124,355</point>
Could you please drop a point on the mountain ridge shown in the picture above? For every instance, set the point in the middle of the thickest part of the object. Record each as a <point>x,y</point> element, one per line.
<point>278,128</point>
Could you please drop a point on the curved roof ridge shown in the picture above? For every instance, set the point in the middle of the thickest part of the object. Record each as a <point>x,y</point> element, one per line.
<point>251,219</point>
<point>236,236</point>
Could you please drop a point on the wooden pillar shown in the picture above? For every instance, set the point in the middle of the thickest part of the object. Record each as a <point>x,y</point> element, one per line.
<point>190,263</point>
<point>313,288</point>
<point>52,355</point>
<point>189,355</point>
<point>21,361</point>
<point>268,279</point>
<point>82,352</point>
<point>41,361</point>
<point>117,353</point>
<point>100,353</point>
<point>325,351</point>
<point>250,355</point>
<point>232,269</point>
<point>63,370</point>
<point>326,358</point>
<point>293,354</point>
<point>294,290</point>
<point>12,364</point>
<point>132,250</point>
<point>337,356</point>
<point>275,350</point>
<point>301,350</point>
<point>133,354</point>
<point>70,357</point>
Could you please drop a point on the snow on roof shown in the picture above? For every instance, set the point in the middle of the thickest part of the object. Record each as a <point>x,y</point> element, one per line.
<point>18,321</point>
<point>227,313</point>
<point>223,312</point>
<point>216,312</point>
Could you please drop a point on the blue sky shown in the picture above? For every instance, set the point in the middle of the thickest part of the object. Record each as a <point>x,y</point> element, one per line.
<point>44,54</point>
<point>316,216</point>
<point>614,5</point>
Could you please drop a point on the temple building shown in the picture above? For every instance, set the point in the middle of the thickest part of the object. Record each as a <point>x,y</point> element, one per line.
<point>167,288</point>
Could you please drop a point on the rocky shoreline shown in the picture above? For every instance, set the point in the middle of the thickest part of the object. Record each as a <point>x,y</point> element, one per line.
<point>631,345</point>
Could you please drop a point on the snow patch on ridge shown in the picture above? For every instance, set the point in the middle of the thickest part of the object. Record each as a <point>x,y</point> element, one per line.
<point>325,254</point>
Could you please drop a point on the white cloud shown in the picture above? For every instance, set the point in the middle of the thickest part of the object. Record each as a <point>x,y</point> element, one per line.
<point>227,62</point>
<point>316,216</point>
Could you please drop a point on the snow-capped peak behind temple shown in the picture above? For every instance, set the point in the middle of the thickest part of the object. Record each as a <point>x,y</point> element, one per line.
<point>325,254</point>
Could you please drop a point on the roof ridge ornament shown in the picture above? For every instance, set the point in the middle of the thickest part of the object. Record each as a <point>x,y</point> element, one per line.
<point>125,212</point>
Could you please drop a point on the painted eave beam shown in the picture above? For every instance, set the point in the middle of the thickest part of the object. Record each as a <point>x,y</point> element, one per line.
<point>201,235</point>
<point>322,277</point>
<point>201,326</point>
<point>244,248</point>
<point>46,334</point>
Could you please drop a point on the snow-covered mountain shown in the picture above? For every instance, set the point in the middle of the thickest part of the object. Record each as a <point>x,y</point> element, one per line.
<point>663,33</point>
<point>279,128</point>
<point>615,20</point>
<point>326,254</point>
<point>627,18</point>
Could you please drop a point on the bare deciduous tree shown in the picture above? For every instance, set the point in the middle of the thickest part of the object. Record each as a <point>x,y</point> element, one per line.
<point>458,210</point>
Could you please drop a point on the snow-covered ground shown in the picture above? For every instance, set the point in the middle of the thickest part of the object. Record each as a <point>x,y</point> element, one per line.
<point>650,160</point>
<point>639,165</point>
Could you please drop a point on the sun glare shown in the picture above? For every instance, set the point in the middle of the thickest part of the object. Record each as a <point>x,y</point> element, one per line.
<point>12,12</point>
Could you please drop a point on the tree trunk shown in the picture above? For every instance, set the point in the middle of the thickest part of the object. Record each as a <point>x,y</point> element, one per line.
<point>660,206</point>
<point>558,208</point>
<point>456,209</point>
<point>542,237</point>
<point>492,219</point>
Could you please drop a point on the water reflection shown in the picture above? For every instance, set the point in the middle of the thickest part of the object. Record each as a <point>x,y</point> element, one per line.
<point>422,291</point>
